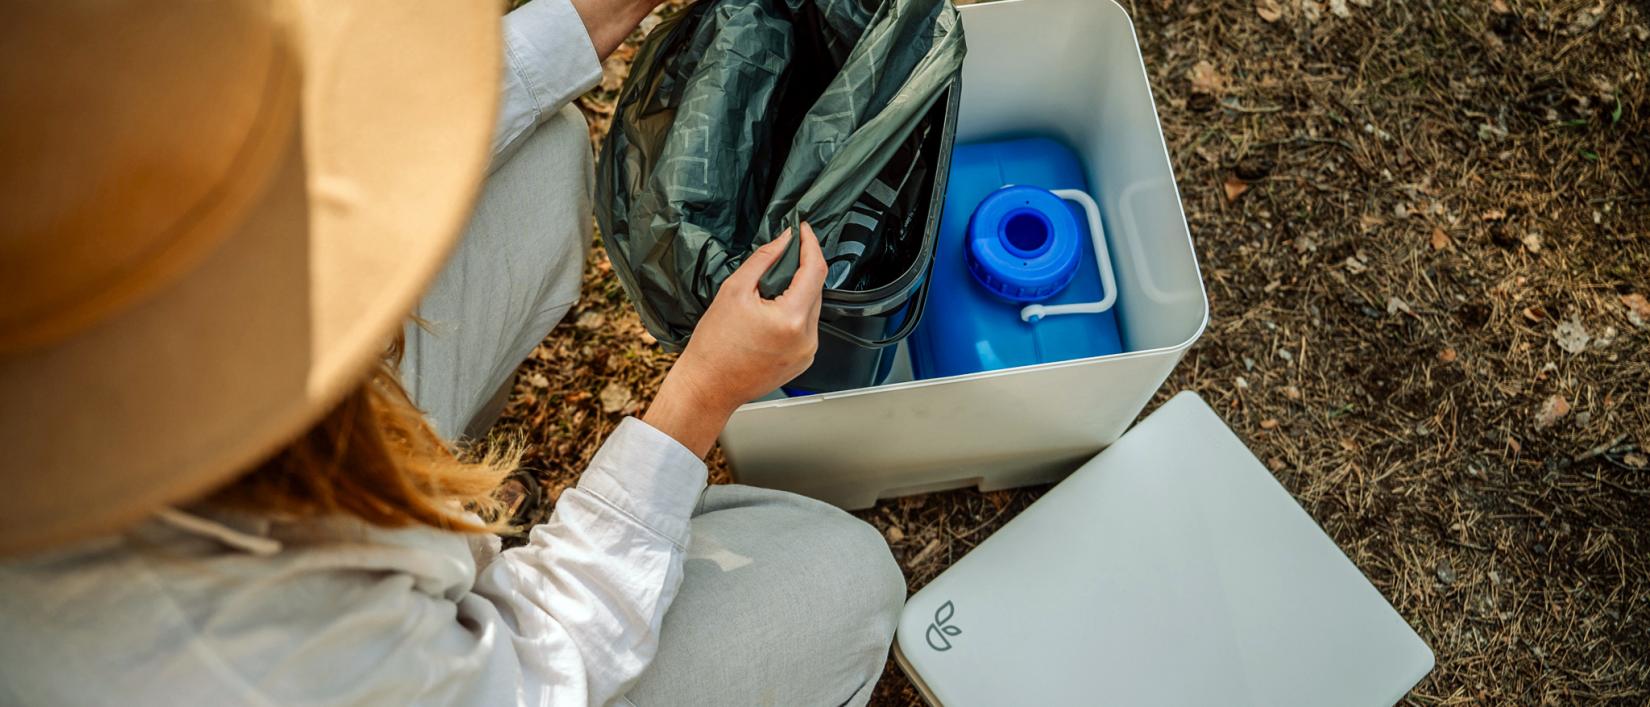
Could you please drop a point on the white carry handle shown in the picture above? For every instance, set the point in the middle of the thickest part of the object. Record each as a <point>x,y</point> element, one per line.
<point>1102,257</point>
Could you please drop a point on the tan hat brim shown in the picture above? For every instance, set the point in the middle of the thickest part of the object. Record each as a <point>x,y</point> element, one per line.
<point>200,381</point>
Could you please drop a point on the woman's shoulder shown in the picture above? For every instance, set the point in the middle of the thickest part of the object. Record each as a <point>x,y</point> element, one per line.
<point>84,624</point>
<point>211,600</point>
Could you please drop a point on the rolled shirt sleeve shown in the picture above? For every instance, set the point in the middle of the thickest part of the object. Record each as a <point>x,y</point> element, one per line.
<point>548,61</point>
<point>584,599</point>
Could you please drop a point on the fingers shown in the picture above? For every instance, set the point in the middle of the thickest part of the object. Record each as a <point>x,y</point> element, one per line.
<point>810,274</point>
<point>815,288</point>
<point>809,282</point>
<point>758,262</point>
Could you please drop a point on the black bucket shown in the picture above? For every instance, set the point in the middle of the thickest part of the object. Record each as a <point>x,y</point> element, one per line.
<point>860,330</point>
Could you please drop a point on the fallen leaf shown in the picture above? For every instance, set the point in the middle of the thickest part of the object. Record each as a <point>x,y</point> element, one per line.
<point>1638,309</point>
<point>999,499</point>
<point>1552,411</point>
<point>1269,10</point>
<point>1606,338</point>
<point>1448,355</point>
<point>1205,78</point>
<point>1291,392</point>
<point>1369,221</point>
<point>617,67</point>
<point>1269,424</point>
<point>1355,265</point>
<point>615,397</point>
<point>895,534</point>
<point>1572,336</point>
<point>1585,19</point>
<point>1535,314</point>
<point>599,124</point>
<point>1499,7</point>
<point>1493,215</point>
<point>1235,188</point>
<point>1395,305</point>
<point>537,380</point>
<point>1338,8</point>
<point>1532,242</point>
<point>591,320</point>
<point>1635,460</point>
<point>1440,239</point>
<point>1311,10</point>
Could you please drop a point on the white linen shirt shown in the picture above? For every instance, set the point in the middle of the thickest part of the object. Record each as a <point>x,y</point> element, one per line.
<point>207,607</point>
<point>218,608</point>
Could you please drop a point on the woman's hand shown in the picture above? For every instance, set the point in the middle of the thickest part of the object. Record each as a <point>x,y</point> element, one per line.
<point>744,346</point>
<point>609,21</point>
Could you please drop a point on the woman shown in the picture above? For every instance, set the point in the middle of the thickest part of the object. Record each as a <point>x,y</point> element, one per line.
<point>217,213</point>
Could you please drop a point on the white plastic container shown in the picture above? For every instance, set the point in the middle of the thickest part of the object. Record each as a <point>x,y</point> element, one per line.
<point>1070,70</point>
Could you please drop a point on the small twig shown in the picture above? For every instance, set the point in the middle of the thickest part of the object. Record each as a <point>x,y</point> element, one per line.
<point>1595,451</point>
<point>927,551</point>
<point>1471,546</point>
<point>1234,105</point>
<point>1619,487</point>
<point>982,526</point>
<point>1300,139</point>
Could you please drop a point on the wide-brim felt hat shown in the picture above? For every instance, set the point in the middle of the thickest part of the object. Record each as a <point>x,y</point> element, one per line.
<point>214,216</point>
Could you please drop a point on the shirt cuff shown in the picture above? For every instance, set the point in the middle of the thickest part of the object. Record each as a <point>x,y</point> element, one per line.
<point>548,61</point>
<point>649,475</point>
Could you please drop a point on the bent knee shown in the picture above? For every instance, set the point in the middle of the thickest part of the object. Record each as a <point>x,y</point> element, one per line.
<point>812,592</point>
<point>565,134</point>
<point>866,558</point>
<point>830,542</point>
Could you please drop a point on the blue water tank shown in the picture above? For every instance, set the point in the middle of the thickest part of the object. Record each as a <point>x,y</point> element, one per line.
<point>999,249</point>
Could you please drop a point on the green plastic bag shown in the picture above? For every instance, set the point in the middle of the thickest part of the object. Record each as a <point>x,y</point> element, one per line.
<point>741,118</point>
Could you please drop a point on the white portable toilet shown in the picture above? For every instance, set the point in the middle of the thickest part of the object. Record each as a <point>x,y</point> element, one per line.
<point>1171,569</point>
<point>1070,70</point>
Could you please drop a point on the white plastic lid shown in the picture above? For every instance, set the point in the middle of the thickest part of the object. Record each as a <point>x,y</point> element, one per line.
<point>1172,569</point>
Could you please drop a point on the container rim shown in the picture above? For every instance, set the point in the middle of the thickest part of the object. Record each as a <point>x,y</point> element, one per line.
<point>883,298</point>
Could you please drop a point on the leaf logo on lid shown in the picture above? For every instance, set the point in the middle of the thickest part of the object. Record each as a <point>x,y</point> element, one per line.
<point>941,631</point>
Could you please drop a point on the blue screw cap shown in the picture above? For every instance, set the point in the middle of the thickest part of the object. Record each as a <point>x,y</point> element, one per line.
<point>1023,244</point>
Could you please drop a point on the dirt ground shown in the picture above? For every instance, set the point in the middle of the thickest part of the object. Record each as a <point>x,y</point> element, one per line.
<point>1425,232</point>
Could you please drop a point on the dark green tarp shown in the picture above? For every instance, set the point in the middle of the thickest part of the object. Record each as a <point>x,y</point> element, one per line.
<point>743,117</point>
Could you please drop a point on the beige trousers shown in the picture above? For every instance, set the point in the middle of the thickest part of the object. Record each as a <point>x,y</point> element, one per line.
<point>510,280</point>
